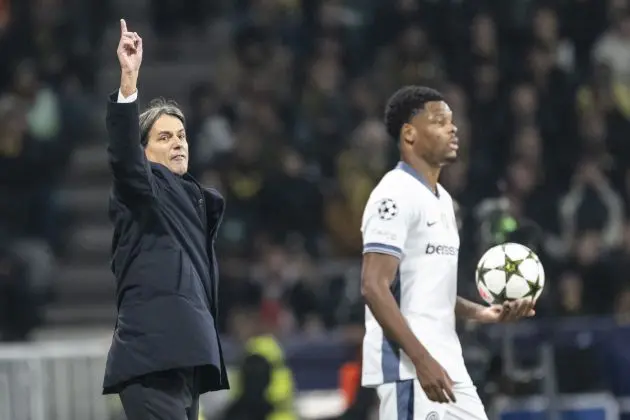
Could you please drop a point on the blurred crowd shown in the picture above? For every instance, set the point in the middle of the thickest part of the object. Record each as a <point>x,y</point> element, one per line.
<point>289,127</point>
<point>45,72</point>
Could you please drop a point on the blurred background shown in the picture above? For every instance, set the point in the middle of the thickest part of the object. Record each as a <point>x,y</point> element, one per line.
<point>284,101</point>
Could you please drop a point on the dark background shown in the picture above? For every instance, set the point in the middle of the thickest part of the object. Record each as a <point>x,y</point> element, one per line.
<point>284,102</point>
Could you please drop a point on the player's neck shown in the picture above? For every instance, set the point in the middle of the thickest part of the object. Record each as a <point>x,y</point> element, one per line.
<point>429,173</point>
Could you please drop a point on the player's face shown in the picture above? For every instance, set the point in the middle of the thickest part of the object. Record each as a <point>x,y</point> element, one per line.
<point>167,144</point>
<point>437,139</point>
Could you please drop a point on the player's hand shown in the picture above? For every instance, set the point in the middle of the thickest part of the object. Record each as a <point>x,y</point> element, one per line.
<point>129,49</point>
<point>508,311</point>
<point>435,382</point>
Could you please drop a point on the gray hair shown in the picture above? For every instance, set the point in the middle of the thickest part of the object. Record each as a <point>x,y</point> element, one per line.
<point>158,107</point>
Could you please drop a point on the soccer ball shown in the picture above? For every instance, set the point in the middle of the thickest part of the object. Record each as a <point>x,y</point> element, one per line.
<point>509,271</point>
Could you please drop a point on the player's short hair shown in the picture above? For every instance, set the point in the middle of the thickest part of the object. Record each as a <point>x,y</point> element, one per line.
<point>156,108</point>
<point>404,104</point>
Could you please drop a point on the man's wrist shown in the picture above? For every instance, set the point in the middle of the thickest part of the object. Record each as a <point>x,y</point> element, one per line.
<point>129,73</point>
<point>468,310</point>
<point>419,356</point>
<point>127,90</point>
<point>477,311</point>
<point>128,83</point>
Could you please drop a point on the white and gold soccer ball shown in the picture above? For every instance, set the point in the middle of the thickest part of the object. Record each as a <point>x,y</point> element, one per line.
<point>509,271</point>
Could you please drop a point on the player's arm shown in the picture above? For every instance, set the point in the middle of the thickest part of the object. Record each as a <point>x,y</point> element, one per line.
<point>467,309</point>
<point>377,274</point>
<point>386,224</point>
<point>509,311</point>
<point>132,175</point>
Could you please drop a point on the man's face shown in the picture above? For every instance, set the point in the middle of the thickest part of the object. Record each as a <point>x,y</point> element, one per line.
<point>167,144</point>
<point>433,134</point>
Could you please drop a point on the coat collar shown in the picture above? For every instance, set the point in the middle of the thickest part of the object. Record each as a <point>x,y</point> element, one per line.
<point>215,203</point>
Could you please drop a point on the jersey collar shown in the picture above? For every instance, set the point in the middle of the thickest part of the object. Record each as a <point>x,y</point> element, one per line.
<point>407,168</point>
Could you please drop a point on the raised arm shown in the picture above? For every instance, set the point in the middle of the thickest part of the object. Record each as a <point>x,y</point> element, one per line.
<point>131,170</point>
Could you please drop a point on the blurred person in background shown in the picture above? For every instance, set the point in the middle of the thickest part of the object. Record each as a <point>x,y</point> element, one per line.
<point>242,172</point>
<point>418,61</point>
<point>170,18</point>
<point>291,202</point>
<point>359,401</point>
<point>546,34</point>
<point>166,350</point>
<point>19,309</point>
<point>48,142</point>
<point>592,204</point>
<point>358,169</point>
<point>210,127</point>
<point>27,215</point>
<point>251,402</point>
<point>264,388</point>
<point>319,130</point>
<point>612,47</point>
<point>498,217</point>
<point>592,228</point>
<point>570,291</point>
<point>286,280</point>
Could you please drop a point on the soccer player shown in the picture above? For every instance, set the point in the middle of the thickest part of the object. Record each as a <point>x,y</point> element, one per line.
<point>411,352</point>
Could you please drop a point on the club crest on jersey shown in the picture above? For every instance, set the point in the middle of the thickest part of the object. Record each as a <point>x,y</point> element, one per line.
<point>433,415</point>
<point>387,209</point>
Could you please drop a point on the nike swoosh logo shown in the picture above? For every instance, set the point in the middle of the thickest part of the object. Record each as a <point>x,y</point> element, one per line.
<point>429,224</point>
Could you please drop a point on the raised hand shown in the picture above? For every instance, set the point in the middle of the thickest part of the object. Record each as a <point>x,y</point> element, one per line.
<point>129,50</point>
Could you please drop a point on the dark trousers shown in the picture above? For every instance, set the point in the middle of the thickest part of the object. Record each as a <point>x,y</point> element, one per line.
<point>167,395</point>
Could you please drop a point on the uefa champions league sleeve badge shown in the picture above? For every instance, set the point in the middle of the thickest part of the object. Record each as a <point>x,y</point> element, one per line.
<point>387,209</point>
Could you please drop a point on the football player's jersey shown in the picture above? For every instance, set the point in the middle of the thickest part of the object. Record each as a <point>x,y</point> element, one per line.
<point>405,218</point>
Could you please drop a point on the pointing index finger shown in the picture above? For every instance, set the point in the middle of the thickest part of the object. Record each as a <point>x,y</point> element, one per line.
<point>123,26</point>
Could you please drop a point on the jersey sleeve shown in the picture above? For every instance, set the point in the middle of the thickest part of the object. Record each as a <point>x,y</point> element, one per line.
<point>386,223</point>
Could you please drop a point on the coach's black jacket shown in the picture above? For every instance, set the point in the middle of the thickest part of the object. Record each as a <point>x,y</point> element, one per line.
<point>164,264</point>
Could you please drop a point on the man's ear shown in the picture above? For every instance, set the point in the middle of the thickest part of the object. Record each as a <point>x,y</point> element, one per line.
<point>408,133</point>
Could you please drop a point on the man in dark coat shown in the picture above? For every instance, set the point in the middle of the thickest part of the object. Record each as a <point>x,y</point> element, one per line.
<point>165,350</point>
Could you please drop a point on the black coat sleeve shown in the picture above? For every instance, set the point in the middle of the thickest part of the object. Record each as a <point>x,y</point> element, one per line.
<point>132,174</point>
